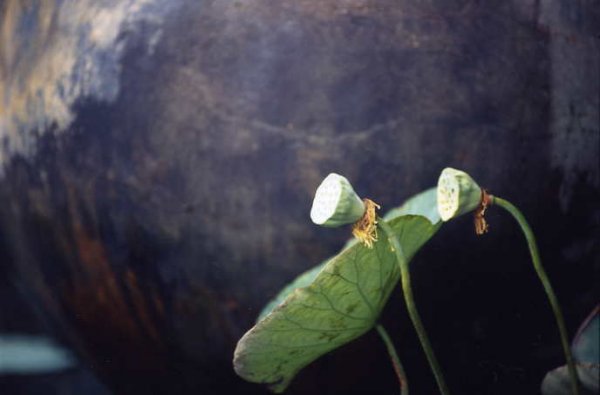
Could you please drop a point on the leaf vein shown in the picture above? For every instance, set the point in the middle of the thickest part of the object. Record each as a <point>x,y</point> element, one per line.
<point>330,302</point>
<point>341,277</point>
<point>360,291</point>
<point>334,309</point>
<point>299,325</point>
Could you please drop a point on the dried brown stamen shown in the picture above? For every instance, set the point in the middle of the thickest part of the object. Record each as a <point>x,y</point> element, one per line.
<point>481,225</point>
<point>365,229</point>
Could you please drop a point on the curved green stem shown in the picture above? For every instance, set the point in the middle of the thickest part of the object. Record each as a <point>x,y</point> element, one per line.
<point>411,307</point>
<point>537,264</point>
<point>398,368</point>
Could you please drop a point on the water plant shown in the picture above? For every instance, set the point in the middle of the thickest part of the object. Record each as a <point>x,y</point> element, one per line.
<point>342,298</point>
<point>459,194</point>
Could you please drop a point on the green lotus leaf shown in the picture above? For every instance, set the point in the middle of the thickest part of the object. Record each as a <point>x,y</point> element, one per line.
<point>342,302</point>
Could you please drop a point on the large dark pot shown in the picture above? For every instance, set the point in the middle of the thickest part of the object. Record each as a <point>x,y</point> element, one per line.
<point>159,161</point>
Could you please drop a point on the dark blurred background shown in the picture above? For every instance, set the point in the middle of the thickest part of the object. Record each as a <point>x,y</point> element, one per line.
<point>159,158</point>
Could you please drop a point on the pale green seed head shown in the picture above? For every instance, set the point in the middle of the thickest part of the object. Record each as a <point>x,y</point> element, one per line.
<point>336,203</point>
<point>457,194</point>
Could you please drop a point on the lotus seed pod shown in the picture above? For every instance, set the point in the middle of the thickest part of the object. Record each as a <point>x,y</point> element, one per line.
<point>457,194</point>
<point>336,203</point>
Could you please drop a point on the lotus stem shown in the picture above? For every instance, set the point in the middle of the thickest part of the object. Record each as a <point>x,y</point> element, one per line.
<point>398,368</point>
<point>537,264</point>
<point>411,307</point>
